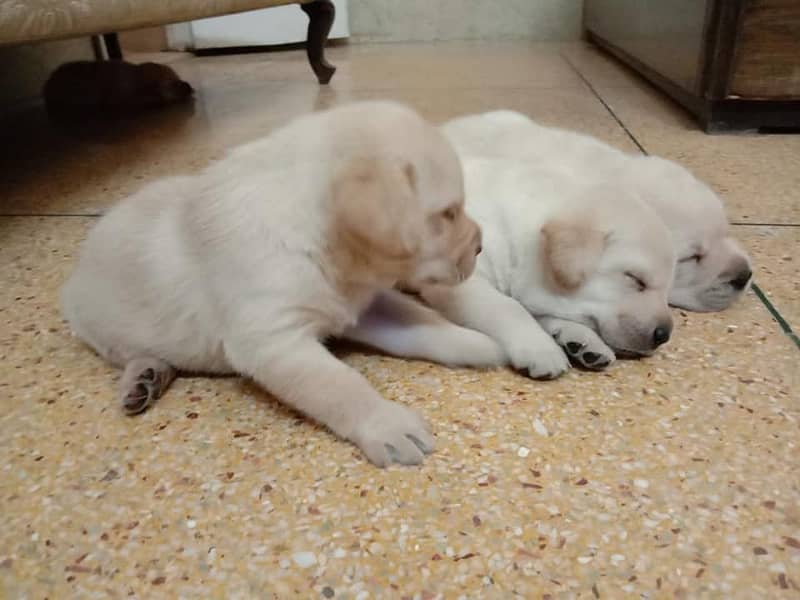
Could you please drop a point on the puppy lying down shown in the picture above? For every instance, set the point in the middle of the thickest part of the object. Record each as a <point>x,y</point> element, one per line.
<point>712,269</point>
<point>586,258</point>
<point>249,266</point>
<point>522,178</point>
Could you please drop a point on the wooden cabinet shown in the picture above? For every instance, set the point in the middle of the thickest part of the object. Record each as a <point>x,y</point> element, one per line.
<point>735,64</point>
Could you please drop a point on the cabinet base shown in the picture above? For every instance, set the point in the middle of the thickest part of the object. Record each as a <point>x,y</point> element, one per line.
<point>716,116</point>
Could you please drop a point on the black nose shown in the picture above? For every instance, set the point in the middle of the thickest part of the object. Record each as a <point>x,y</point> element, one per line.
<point>661,336</point>
<point>741,279</point>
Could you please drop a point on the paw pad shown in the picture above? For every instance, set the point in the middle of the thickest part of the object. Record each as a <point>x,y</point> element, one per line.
<point>574,347</point>
<point>137,399</point>
<point>590,357</point>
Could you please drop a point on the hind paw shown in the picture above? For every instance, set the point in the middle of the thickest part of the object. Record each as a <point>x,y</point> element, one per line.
<point>143,382</point>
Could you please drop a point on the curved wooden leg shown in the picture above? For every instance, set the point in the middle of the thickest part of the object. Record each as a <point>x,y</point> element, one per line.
<point>112,46</point>
<point>320,19</point>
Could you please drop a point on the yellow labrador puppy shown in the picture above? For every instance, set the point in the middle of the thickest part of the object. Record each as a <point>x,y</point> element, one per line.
<point>587,259</point>
<point>249,266</point>
<point>712,269</point>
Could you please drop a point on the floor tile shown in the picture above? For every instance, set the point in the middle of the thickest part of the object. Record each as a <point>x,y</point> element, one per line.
<point>673,475</point>
<point>233,115</point>
<point>599,68</point>
<point>455,65</point>
<point>756,175</point>
<point>450,65</point>
<point>94,165</point>
<point>777,266</point>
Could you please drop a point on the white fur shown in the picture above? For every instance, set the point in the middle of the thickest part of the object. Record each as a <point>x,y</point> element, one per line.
<point>591,234</point>
<point>691,211</point>
<point>249,266</point>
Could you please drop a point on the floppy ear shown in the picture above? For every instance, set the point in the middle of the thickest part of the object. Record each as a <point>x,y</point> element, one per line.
<point>570,253</point>
<point>376,210</point>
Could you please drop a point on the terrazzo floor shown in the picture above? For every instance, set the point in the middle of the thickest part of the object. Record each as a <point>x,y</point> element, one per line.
<point>675,476</point>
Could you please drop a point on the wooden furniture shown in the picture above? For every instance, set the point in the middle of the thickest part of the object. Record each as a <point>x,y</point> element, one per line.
<point>734,64</point>
<point>28,21</point>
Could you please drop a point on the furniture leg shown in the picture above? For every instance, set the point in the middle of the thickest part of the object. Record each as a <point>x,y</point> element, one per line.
<point>320,19</point>
<point>112,46</point>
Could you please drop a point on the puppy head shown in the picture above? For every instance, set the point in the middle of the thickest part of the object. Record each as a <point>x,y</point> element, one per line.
<point>712,270</point>
<point>610,266</point>
<point>158,85</point>
<point>398,208</point>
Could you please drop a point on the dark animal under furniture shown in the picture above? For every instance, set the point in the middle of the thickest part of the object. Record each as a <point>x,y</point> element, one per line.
<point>112,87</point>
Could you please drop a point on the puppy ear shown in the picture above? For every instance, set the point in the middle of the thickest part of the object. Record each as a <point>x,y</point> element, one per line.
<point>570,252</point>
<point>376,210</point>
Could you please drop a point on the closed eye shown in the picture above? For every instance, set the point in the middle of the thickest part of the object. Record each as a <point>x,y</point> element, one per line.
<point>694,257</point>
<point>641,285</point>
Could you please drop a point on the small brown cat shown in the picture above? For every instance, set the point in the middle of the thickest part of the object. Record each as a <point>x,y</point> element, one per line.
<point>113,86</point>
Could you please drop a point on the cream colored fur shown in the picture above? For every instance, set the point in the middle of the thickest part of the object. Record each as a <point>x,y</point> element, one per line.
<point>712,269</point>
<point>249,266</point>
<point>573,251</point>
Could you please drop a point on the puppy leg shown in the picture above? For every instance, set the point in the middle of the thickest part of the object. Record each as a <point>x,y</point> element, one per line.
<point>581,343</point>
<point>305,376</point>
<point>401,326</point>
<point>143,381</point>
<point>477,304</point>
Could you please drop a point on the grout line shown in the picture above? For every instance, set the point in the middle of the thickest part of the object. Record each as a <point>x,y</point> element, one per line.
<point>782,323</point>
<point>607,107</point>
<point>773,311</point>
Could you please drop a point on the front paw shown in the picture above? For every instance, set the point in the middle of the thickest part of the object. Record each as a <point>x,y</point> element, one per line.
<point>594,359</point>
<point>392,433</point>
<point>542,358</point>
<point>585,348</point>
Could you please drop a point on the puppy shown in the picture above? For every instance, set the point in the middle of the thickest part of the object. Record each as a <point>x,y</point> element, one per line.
<point>251,265</point>
<point>112,87</point>
<point>586,256</point>
<point>712,269</point>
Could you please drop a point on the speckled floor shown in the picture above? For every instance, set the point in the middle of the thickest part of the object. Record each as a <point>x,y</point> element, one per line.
<point>676,476</point>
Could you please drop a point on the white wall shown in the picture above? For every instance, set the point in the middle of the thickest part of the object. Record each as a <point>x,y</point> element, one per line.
<point>433,20</point>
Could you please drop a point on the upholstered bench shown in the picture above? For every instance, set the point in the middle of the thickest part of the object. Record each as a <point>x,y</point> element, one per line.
<point>27,21</point>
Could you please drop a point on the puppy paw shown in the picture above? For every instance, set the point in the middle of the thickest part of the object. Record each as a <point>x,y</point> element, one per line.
<point>393,434</point>
<point>542,358</point>
<point>143,382</point>
<point>589,358</point>
<point>584,347</point>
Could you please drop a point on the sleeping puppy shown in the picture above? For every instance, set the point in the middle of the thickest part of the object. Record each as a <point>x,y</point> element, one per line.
<point>712,269</point>
<point>249,266</point>
<point>585,255</point>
